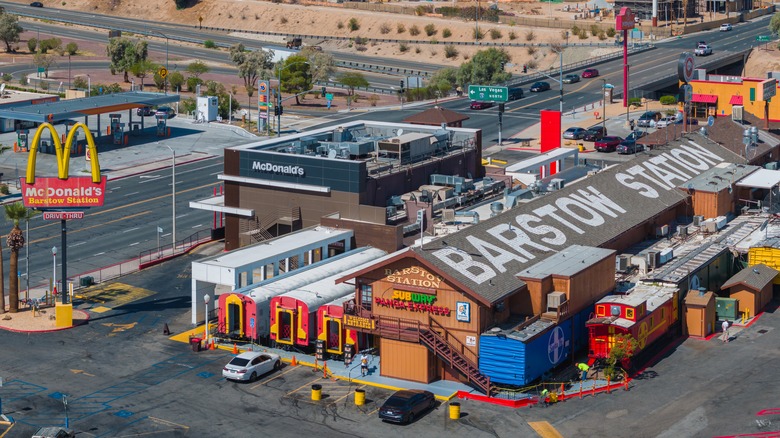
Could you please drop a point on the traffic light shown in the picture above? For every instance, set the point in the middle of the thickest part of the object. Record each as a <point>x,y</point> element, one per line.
<point>525,68</point>
<point>501,107</point>
<point>402,85</point>
<point>281,109</point>
<point>276,110</point>
<point>502,66</point>
<point>323,91</point>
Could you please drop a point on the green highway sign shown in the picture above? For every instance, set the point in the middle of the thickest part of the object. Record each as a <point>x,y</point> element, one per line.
<point>764,38</point>
<point>486,93</point>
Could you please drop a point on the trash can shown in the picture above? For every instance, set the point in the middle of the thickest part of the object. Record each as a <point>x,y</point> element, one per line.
<point>316,392</point>
<point>360,397</point>
<point>195,342</point>
<point>454,411</point>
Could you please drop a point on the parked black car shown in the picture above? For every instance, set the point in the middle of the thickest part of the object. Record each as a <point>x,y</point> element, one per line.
<point>540,86</point>
<point>145,111</point>
<point>648,119</point>
<point>404,406</point>
<point>595,133</point>
<point>515,93</point>
<point>629,145</point>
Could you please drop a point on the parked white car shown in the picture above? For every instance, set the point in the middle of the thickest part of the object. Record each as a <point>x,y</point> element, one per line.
<point>666,121</point>
<point>250,365</point>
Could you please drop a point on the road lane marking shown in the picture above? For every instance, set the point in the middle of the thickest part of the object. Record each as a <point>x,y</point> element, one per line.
<point>134,244</point>
<point>131,194</point>
<point>131,229</point>
<point>544,429</point>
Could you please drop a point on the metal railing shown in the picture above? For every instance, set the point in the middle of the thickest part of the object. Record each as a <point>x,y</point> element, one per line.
<point>170,250</point>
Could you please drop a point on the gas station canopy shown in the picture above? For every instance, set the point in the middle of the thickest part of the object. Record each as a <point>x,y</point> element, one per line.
<point>64,110</point>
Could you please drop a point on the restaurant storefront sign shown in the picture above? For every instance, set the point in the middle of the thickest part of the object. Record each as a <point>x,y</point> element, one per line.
<point>414,302</point>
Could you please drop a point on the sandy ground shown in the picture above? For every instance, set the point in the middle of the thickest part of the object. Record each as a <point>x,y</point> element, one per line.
<point>43,320</point>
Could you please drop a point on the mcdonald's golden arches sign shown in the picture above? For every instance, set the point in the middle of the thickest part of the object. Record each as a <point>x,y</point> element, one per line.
<point>63,191</point>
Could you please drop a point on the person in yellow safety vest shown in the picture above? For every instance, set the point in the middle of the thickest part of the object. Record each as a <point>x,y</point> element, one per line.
<point>584,368</point>
<point>544,396</point>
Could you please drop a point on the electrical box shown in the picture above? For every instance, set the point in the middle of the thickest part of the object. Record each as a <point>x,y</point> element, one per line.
<point>555,300</point>
<point>207,107</point>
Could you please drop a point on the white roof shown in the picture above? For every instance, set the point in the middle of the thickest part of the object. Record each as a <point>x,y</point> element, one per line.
<point>533,163</point>
<point>299,278</point>
<point>761,179</point>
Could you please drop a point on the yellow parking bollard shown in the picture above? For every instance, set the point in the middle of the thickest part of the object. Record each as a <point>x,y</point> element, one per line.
<point>454,411</point>
<point>316,392</point>
<point>360,397</point>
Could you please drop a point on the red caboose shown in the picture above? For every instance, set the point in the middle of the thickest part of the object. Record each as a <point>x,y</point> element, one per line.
<point>330,326</point>
<point>646,312</point>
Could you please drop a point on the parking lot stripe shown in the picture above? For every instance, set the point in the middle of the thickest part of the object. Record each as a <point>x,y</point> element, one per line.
<point>544,429</point>
<point>304,385</point>
<point>272,378</point>
<point>347,394</point>
<point>169,423</point>
<point>7,430</point>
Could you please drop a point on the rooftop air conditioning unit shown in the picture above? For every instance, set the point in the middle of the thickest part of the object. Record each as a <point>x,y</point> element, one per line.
<point>623,262</point>
<point>391,211</point>
<point>662,231</point>
<point>555,300</point>
<point>771,165</point>
<point>736,113</point>
<point>653,259</point>
<point>682,230</point>
<point>697,220</point>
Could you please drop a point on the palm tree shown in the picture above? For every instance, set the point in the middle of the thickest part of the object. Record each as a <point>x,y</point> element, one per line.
<point>15,241</point>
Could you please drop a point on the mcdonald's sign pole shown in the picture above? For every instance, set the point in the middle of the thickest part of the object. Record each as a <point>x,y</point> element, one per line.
<point>59,196</point>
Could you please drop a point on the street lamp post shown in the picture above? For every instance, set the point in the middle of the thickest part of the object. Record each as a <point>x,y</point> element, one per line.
<point>604,104</point>
<point>54,270</point>
<point>173,198</point>
<point>206,299</point>
<point>89,86</point>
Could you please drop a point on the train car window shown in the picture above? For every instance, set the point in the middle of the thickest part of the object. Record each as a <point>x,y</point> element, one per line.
<point>630,314</point>
<point>615,310</point>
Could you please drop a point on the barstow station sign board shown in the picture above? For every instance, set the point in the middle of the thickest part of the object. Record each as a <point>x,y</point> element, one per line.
<point>63,191</point>
<point>489,256</point>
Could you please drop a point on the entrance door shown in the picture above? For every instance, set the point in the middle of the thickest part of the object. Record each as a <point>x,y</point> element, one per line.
<point>333,336</point>
<point>285,323</point>
<point>234,319</point>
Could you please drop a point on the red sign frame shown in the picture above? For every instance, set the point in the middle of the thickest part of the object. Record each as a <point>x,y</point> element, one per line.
<point>55,193</point>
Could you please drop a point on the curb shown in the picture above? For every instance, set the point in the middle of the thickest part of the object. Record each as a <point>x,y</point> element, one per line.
<point>160,167</point>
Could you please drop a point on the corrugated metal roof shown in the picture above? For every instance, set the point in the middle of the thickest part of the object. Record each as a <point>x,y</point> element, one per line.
<point>755,277</point>
<point>594,212</point>
<point>568,262</point>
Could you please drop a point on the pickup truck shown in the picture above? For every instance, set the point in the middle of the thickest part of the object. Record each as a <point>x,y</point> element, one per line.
<point>703,50</point>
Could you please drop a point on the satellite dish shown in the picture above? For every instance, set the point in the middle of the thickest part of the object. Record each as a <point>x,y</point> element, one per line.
<point>695,282</point>
<point>400,132</point>
<point>332,153</point>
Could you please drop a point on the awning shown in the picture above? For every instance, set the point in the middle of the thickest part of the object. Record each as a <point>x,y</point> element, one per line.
<point>761,179</point>
<point>735,100</point>
<point>705,98</point>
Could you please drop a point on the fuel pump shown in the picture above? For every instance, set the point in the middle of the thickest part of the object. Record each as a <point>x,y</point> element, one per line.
<point>162,124</point>
<point>117,128</point>
<point>22,136</point>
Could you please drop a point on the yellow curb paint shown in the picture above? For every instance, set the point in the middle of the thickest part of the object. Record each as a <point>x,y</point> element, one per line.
<point>544,429</point>
<point>100,309</point>
<point>7,430</point>
<point>185,336</point>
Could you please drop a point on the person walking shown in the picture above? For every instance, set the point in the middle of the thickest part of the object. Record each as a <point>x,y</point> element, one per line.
<point>363,365</point>
<point>584,368</point>
<point>725,327</point>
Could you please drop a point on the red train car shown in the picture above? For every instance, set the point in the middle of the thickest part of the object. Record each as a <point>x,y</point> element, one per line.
<point>330,326</point>
<point>646,312</point>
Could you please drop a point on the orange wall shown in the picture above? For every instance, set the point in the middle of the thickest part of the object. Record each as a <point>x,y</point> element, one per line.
<point>724,91</point>
<point>711,205</point>
<point>405,360</point>
<point>754,301</point>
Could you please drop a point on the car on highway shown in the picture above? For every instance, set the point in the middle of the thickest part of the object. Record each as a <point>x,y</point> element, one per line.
<point>595,133</point>
<point>540,86</point>
<point>404,406</point>
<point>590,73</point>
<point>480,105</point>
<point>666,121</point>
<point>608,143</point>
<point>514,93</point>
<point>145,111</point>
<point>570,79</point>
<point>648,119</point>
<point>167,111</point>
<point>725,27</point>
<point>574,133</point>
<point>629,144</point>
<point>703,50</point>
<point>36,4</point>
<point>251,365</point>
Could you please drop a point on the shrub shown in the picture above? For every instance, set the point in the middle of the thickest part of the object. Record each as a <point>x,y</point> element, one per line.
<point>556,47</point>
<point>283,20</point>
<point>434,41</point>
<point>354,24</point>
<point>531,50</point>
<point>384,29</point>
<point>400,28</point>
<point>80,82</point>
<point>373,99</point>
<point>23,80</point>
<point>417,49</point>
<point>530,35</point>
<point>611,32</point>
<point>512,35</point>
<point>340,25</point>
<point>446,33</point>
<point>668,100</point>
<point>532,64</point>
<point>495,34</point>
<point>450,51</point>
<point>209,44</point>
<point>403,47</point>
<point>477,34</point>
<point>192,83</point>
<point>575,30</point>
<point>635,101</point>
<point>71,48</point>
<point>422,10</point>
<point>602,35</point>
<point>32,44</point>
<point>414,30</point>
<point>583,34</point>
<point>595,29</point>
<point>7,77</point>
<point>4,189</point>
<point>430,30</point>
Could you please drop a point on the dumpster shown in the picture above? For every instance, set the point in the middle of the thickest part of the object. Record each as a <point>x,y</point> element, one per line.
<point>195,342</point>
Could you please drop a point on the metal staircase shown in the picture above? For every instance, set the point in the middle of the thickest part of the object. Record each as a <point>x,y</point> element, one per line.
<point>444,345</point>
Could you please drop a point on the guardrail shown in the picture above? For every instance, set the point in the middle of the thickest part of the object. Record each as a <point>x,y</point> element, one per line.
<point>382,68</point>
<point>165,252</point>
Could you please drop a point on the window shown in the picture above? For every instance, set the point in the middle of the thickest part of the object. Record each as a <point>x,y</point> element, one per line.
<point>629,313</point>
<point>366,296</point>
<point>600,310</point>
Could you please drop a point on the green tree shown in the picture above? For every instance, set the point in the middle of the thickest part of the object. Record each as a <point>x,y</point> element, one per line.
<point>444,80</point>
<point>622,350</point>
<point>71,48</point>
<point>123,53</point>
<point>294,75</point>
<point>45,61</point>
<point>80,82</point>
<point>10,30</point>
<point>142,68</point>
<point>225,99</point>
<point>32,45</point>
<point>159,81</point>
<point>15,212</point>
<point>485,68</point>
<point>774,23</point>
<point>197,68</point>
<point>321,65</point>
<point>352,80</point>
<point>53,44</point>
<point>251,65</point>
<point>176,79</point>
